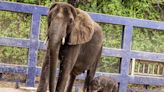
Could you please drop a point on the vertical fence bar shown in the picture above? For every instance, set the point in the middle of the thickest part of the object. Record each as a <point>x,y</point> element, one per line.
<point>33,50</point>
<point>125,61</point>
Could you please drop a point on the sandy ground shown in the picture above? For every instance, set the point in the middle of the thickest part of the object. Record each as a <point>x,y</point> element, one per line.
<point>10,87</point>
<point>10,90</point>
<point>14,90</point>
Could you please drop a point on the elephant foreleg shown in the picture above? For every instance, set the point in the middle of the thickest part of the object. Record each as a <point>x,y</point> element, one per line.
<point>67,66</point>
<point>42,87</point>
<point>89,77</point>
<point>53,64</point>
<point>91,72</point>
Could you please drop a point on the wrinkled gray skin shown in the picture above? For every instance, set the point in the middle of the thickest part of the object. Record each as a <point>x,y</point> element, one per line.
<point>103,84</point>
<point>75,40</point>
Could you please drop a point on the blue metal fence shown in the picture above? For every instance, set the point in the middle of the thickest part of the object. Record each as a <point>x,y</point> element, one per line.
<point>125,53</point>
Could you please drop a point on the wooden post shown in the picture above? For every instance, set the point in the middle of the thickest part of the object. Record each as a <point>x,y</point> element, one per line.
<point>143,69</point>
<point>133,66</point>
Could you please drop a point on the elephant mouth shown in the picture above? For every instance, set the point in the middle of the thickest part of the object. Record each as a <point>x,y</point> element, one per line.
<point>62,41</point>
<point>46,40</point>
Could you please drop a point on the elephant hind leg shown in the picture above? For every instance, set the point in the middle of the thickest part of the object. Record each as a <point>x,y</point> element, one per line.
<point>87,81</point>
<point>89,77</point>
<point>71,82</point>
<point>91,72</point>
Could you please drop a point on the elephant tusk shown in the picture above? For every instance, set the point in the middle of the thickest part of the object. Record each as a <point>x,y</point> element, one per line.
<point>63,40</point>
<point>45,41</point>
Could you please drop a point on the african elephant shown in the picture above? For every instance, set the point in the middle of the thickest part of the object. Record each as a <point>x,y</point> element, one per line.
<point>75,40</point>
<point>103,84</point>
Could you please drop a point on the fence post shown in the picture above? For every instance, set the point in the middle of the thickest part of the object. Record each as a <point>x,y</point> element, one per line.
<point>33,50</point>
<point>125,61</point>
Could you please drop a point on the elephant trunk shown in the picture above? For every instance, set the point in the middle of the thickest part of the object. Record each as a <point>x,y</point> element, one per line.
<point>56,37</point>
<point>54,52</point>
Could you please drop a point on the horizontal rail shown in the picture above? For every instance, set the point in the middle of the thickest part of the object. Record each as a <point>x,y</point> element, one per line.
<point>104,18</point>
<point>10,68</point>
<point>25,8</point>
<point>147,74</point>
<point>147,56</point>
<point>156,57</point>
<point>142,90</point>
<point>146,80</point>
<point>112,52</point>
<point>17,42</point>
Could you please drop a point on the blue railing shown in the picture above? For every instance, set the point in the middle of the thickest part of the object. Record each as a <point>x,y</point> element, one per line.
<point>34,44</point>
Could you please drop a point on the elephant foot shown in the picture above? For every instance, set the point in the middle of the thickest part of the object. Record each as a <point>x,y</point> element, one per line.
<point>41,89</point>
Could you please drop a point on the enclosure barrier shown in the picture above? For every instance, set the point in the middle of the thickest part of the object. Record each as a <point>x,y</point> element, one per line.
<point>125,53</point>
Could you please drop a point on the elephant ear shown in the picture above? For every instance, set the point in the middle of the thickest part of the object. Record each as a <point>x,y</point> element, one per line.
<point>83,29</point>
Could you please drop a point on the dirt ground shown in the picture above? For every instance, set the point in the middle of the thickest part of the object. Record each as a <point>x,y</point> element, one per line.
<point>10,87</point>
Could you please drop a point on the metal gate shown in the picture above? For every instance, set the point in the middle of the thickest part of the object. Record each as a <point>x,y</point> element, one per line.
<point>125,53</point>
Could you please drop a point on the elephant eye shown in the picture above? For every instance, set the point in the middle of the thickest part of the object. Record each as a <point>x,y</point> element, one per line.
<point>65,10</point>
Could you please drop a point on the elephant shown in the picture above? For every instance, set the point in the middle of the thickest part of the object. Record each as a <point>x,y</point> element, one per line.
<point>103,84</point>
<point>74,41</point>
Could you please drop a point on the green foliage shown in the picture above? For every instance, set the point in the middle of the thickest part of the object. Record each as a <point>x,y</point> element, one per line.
<point>152,40</point>
<point>13,55</point>
<point>14,24</point>
<point>18,25</point>
<point>111,39</point>
<point>109,64</point>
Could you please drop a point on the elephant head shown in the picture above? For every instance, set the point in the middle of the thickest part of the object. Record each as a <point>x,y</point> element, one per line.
<point>103,84</point>
<point>66,25</point>
<point>95,86</point>
<point>64,20</point>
